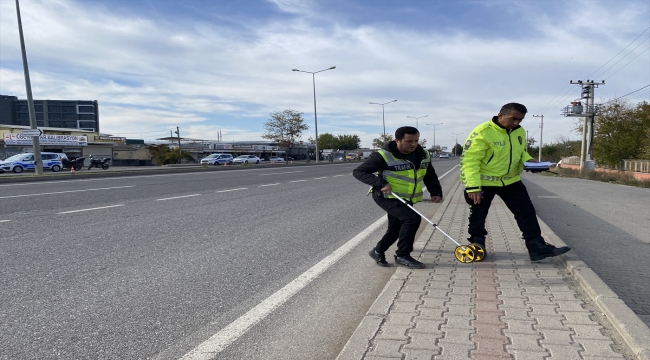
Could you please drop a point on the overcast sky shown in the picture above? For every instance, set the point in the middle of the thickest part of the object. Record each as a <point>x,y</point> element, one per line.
<point>223,65</point>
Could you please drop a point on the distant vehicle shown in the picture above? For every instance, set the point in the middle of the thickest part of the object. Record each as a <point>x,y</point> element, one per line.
<point>25,161</point>
<point>350,157</point>
<point>217,159</point>
<point>246,159</point>
<point>444,156</point>
<point>275,159</point>
<point>339,158</point>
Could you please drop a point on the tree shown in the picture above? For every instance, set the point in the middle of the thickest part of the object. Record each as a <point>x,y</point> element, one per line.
<point>619,132</point>
<point>325,141</point>
<point>382,140</point>
<point>163,155</point>
<point>347,142</point>
<point>284,128</point>
<point>458,149</point>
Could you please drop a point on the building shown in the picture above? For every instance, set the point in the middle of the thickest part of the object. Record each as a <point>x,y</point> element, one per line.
<point>69,114</point>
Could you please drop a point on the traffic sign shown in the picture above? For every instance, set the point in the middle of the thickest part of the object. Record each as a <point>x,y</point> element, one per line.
<point>32,132</point>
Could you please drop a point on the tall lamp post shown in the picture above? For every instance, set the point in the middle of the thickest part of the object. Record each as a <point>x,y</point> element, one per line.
<point>382,113</point>
<point>434,135</point>
<point>313,78</point>
<point>455,142</point>
<point>416,120</point>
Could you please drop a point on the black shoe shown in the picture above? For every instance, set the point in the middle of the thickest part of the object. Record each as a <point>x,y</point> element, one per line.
<point>543,250</point>
<point>409,262</point>
<point>379,258</point>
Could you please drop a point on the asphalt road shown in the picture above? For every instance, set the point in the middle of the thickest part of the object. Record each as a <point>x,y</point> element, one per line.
<point>606,225</point>
<point>153,266</point>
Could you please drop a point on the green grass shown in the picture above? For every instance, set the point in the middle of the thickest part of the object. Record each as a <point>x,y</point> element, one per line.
<point>608,177</point>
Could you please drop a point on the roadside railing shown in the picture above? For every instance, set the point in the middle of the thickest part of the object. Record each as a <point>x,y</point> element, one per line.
<point>642,166</point>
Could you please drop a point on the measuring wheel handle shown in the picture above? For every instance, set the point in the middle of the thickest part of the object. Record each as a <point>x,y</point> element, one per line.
<point>479,251</point>
<point>465,254</point>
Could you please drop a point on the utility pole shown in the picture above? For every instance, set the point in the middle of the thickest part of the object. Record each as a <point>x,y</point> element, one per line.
<point>541,130</point>
<point>180,151</point>
<point>38,163</point>
<point>526,140</point>
<point>590,112</point>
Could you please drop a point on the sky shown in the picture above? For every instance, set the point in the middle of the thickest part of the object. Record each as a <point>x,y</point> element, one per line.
<point>215,67</point>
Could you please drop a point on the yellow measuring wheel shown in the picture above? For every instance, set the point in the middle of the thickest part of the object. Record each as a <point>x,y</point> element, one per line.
<point>479,251</point>
<point>464,253</point>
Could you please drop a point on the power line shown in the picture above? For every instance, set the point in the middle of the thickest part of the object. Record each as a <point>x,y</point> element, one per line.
<point>618,53</point>
<point>628,63</point>
<point>632,92</point>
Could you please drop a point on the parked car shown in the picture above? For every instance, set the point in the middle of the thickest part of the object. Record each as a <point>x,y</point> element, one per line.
<point>25,161</point>
<point>350,157</point>
<point>217,159</point>
<point>444,156</point>
<point>246,159</point>
<point>275,159</point>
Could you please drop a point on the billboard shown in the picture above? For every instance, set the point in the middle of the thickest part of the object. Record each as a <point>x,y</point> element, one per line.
<point>62,140</point>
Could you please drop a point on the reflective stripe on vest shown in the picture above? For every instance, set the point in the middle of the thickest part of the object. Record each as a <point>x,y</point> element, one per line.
<point>405,181</point>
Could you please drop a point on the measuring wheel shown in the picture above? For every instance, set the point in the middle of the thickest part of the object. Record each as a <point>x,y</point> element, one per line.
<point>479,251</point>
<point>464,254</point>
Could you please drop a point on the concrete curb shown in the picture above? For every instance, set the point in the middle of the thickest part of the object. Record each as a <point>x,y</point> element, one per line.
<point>359,342</point>
<point>635,333</point>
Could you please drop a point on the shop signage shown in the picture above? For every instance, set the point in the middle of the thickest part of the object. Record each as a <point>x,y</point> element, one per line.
<point>63,140</point>
<point>110,139</point>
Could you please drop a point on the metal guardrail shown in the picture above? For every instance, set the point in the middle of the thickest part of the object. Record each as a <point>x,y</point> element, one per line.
<point>642,166</point>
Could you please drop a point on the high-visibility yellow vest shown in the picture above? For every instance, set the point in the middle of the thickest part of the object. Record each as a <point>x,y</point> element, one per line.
<point>403,177</point>
<point>493,156</point>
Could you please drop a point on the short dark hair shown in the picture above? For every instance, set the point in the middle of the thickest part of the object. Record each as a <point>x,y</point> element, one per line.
<point>399,133</point>
<point>507,108</point>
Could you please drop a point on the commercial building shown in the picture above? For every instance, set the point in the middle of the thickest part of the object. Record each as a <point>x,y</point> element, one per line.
<point>69,114</point>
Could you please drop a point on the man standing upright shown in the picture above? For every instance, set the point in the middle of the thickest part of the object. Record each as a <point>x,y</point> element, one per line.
<point>400,167</point>
<point>491,164</point>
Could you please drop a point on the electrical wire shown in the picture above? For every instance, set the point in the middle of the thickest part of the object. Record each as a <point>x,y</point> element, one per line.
<point>618,53</point>
<point>628,63</point>
<point>631,92</point>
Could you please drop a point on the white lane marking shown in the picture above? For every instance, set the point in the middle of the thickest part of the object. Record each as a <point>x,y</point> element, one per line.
<point>97,208</point>
<point>67,191</point>
<point>324,177</point>
<point>4,220</point>
<point>280,173</point>
<point>297,180</point>
<point>220,191</point>
<point>269,185</point>
<point>177,197</point>
<point>338,175</point>
<point>219,341</point>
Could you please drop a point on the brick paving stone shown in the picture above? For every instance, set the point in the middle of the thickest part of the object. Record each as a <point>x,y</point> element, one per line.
<point>404,306</point>
<point>434,302</point>
<point>523,342</point>
<point>454,351</point>
<point>393,333</point>
<point>521,327</point>
<point>592,332</point>
<point>387,348</point>
<point>564,351</point>
<point>528,355</point>
<point>459,322</point>
<point>556,337</point>
<point>602,348</point>
<point>457,335</point>
<point>544,310</point>
<point>459,309</point>
<point>428,325</point>
<point>423,340</point>
<point>571,306</point>
<point>410,296</point>
<point>514,302</point>
<point>419,354</point>
<point>399,319</point>
<point>516,313</point>
<point>550,322</point>
<point>435,313</point>
<point>577,318</point>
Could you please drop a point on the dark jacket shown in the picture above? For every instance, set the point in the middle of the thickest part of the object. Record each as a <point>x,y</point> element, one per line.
<point>376,163</point>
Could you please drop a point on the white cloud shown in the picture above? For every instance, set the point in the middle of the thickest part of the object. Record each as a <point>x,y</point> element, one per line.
<point>150,74</point>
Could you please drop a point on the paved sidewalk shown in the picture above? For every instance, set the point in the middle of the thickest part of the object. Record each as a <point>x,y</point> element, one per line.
<point>505,307</point>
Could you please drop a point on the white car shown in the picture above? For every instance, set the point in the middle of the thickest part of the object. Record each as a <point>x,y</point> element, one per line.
<point>275,159</point>
<point>444,156</point>
<point>217,159</point>
<point>246,159</point>
<point>20,162</point>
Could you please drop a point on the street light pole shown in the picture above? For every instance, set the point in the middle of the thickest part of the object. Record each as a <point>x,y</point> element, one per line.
<point>313,78</point>
<point>416,120</point>
<point>382,113</point>
<point>455,142</point>
<point>434,135</point>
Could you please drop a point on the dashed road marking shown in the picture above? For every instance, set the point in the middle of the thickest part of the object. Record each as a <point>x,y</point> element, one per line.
<point>90,209</point>
<point>177,197</point>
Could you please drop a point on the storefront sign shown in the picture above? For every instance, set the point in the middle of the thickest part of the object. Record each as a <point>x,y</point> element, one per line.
<point>110,139</point>
<point>63,140</point>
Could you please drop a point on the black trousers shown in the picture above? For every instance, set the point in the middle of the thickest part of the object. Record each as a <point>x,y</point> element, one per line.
<point>403,224</point>
<point>516,198</point>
